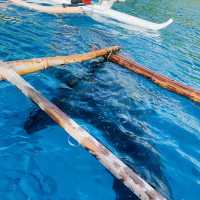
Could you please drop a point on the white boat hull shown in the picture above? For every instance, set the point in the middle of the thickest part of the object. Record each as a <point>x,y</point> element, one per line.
<point>98,10</point>
<point>95,11</point>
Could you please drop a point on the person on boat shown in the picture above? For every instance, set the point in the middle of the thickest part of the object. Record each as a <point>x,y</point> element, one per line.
<point>75,2</point>
<point>105,3</point>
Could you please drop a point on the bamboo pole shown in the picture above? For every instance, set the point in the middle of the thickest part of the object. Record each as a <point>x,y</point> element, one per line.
<point>23,67</point>
<point>48,9</point>
<point>158,79</point>
<point>121,171</point>
<point>33,65</point>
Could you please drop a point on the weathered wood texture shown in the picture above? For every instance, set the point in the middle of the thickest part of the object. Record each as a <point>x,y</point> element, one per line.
<point>121,171</point>
<point>48,9</point>
<point>33,65</point>
<point>160,80</point>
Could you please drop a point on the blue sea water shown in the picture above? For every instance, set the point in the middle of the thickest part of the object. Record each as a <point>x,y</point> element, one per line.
<point>154,131</point>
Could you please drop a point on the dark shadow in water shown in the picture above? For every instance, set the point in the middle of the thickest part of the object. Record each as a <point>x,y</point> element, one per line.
<point>79,100</point>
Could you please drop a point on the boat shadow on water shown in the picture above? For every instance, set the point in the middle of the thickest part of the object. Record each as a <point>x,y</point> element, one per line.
<point>84,98</point>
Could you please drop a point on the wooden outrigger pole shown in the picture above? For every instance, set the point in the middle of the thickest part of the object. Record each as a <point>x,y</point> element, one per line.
<point>158,79</point>
<point>48,9</point>
<point>23,67</point>
<point>120,170</point>
<point>33,65</point>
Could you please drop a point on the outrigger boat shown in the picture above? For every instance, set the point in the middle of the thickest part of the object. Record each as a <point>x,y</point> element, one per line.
<point>95,11</point>
<point>12,71</point>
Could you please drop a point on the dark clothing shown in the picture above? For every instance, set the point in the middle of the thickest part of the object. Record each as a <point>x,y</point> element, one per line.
<point>78,2</point>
